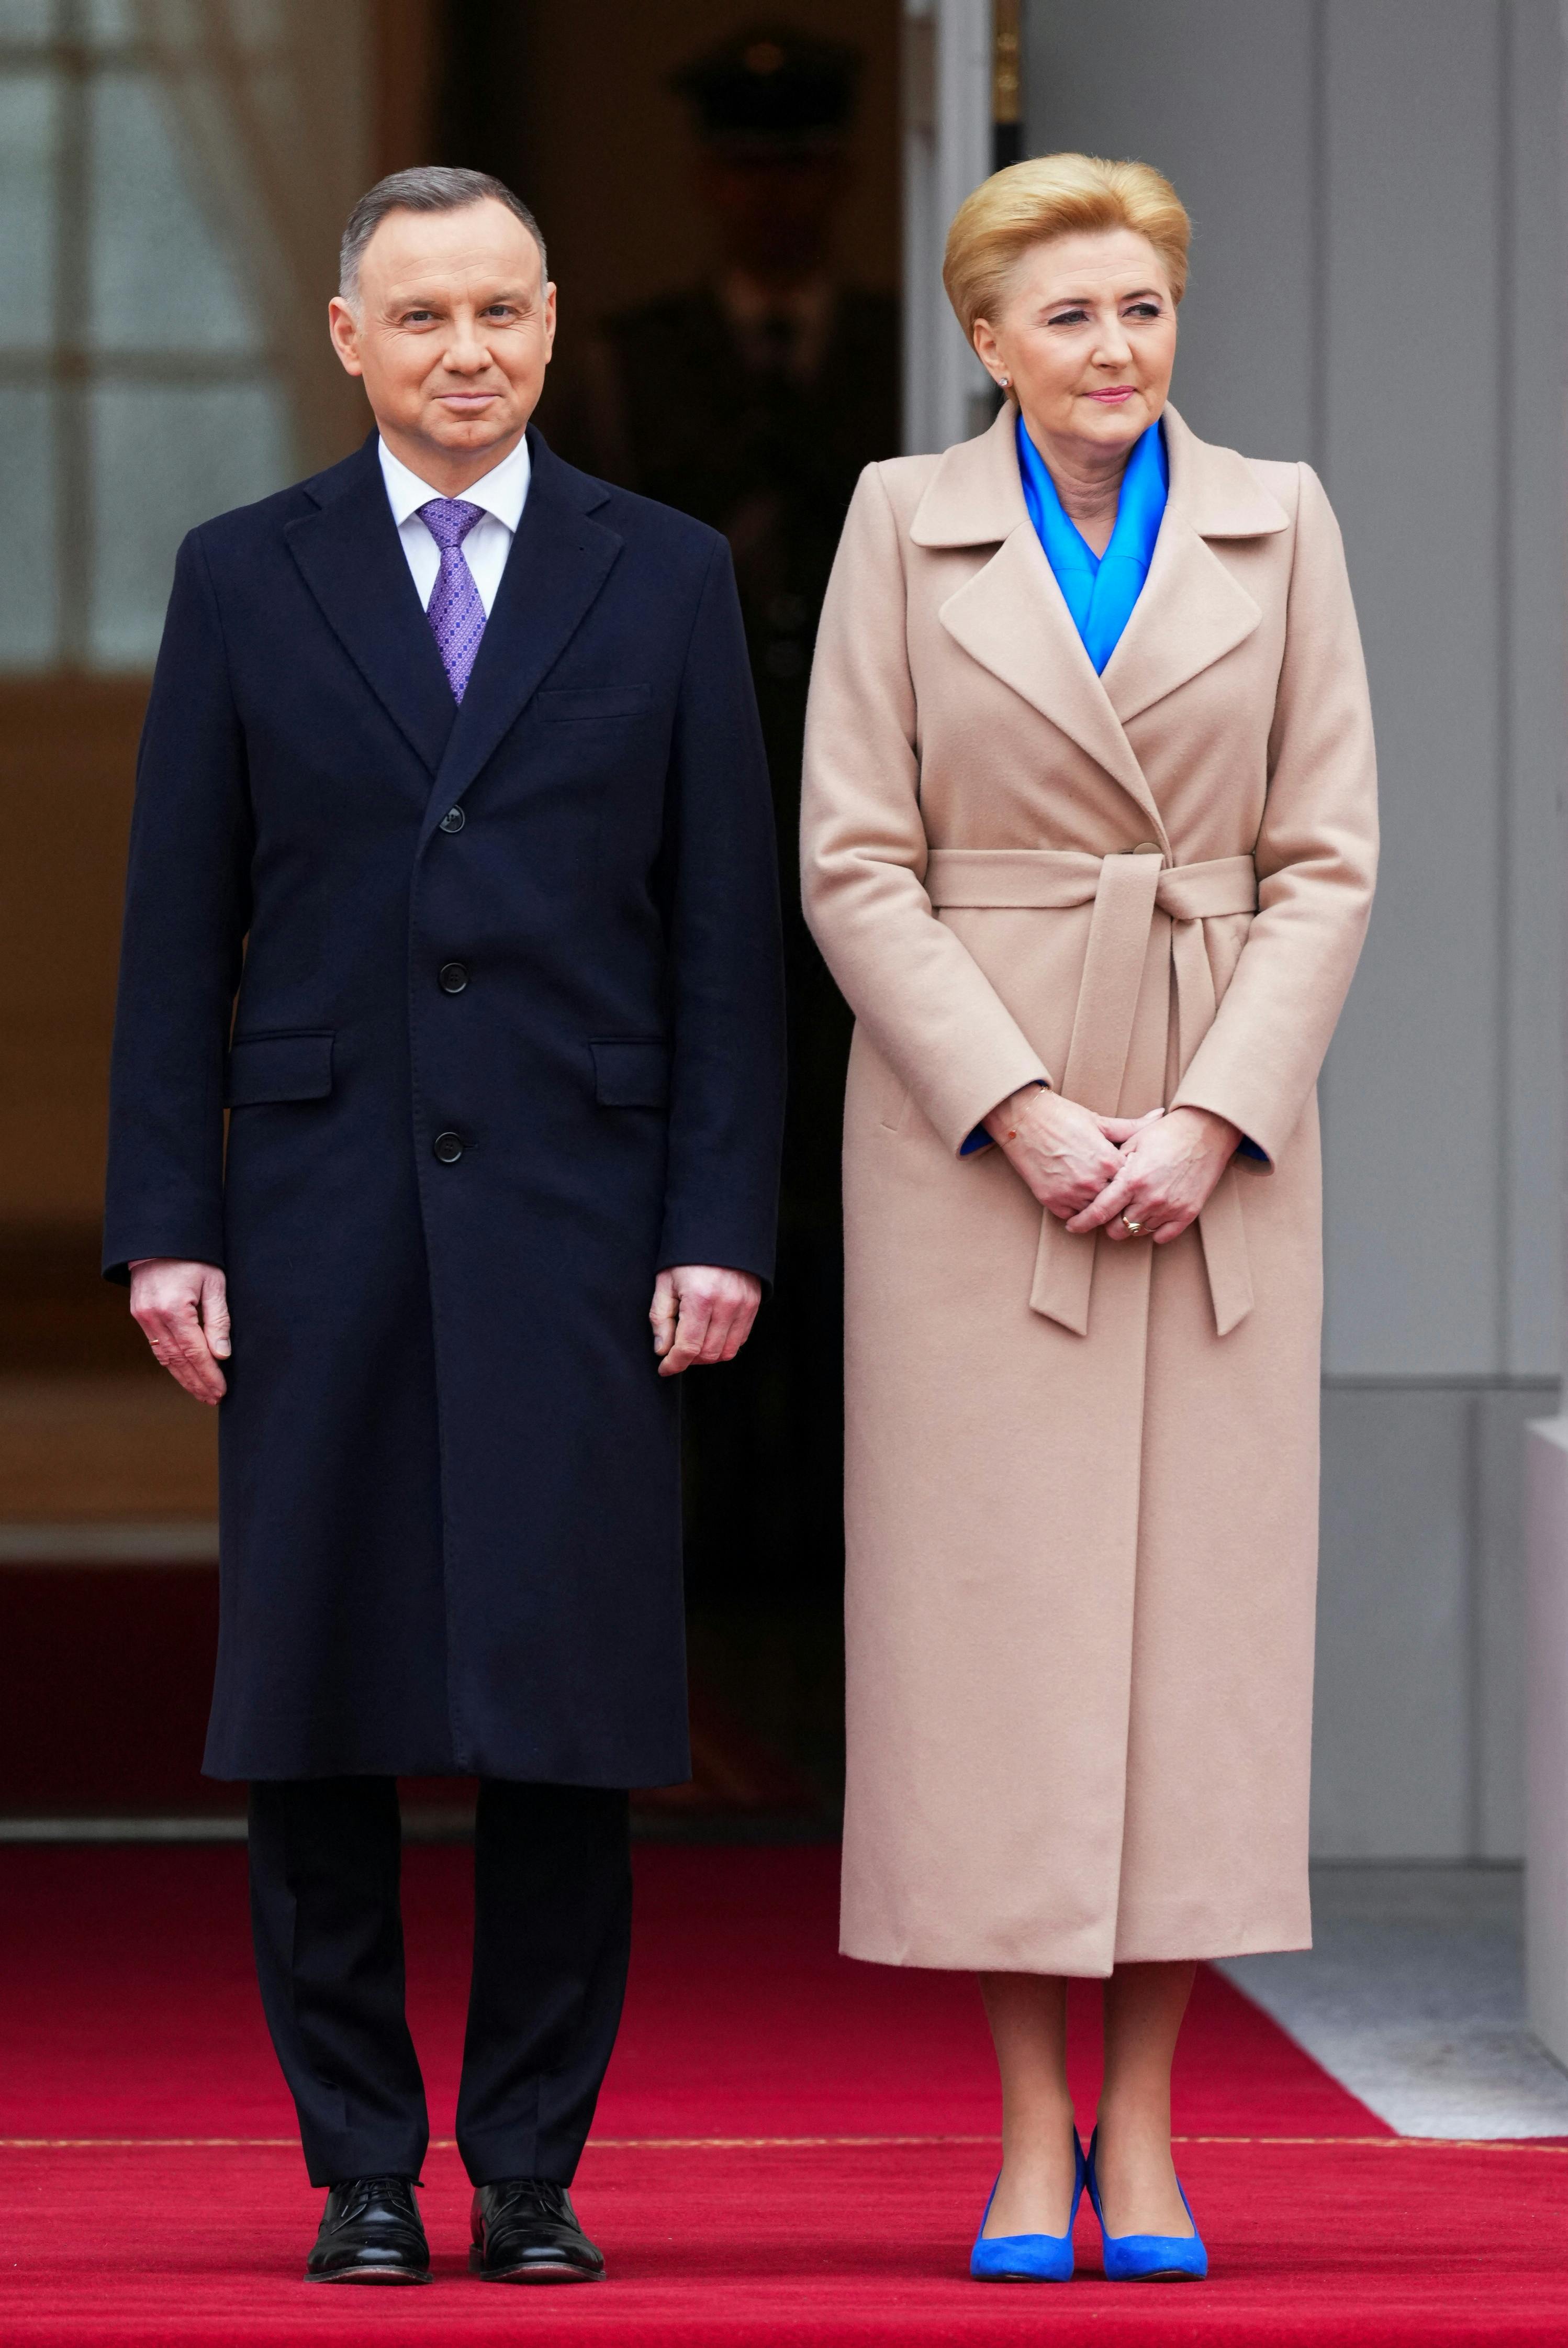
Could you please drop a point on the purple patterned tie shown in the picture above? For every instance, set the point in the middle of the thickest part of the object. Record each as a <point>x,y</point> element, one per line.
<point>455,615</point>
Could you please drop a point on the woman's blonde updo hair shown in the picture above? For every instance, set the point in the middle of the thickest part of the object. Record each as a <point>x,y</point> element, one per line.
<point>1049,196</point>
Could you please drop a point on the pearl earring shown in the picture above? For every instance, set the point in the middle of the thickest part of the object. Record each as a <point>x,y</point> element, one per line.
<point>1006,383</point>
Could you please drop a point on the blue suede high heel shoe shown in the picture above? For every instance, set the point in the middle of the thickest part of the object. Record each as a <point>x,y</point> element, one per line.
<point>1148,2258</point>
<point>1029,2258</point>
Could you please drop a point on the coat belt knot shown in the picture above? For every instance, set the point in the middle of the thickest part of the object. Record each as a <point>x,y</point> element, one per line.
<point>1126,893</point>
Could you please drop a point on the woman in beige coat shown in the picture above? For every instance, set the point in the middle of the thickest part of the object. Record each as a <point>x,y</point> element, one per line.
<point>1096,930</point>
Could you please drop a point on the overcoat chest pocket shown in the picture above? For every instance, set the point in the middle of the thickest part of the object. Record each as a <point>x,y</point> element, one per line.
<point>631,1073</point>
<point>595,701</point>
<point>294,1067</point>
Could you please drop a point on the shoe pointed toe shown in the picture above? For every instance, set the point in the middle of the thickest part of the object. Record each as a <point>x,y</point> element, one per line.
<point>1022,2258</point>
<point>1155,2257</point>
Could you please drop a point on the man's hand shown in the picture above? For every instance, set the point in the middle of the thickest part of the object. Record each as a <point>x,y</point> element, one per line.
<point>702,1313</point>
<point>182,1311</point>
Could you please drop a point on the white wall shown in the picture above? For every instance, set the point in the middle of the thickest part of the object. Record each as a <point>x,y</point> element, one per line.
<point>1378,286</point>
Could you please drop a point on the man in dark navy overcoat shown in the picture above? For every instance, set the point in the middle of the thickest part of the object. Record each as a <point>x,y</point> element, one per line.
<point>452,878</point>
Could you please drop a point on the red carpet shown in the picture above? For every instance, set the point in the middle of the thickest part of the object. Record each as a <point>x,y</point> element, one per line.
<point>150,2190</point>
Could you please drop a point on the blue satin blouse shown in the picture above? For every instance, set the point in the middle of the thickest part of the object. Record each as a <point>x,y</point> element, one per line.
<point>1099,590</point>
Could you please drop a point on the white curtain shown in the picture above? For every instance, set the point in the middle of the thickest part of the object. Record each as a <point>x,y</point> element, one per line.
<point>269,103</point>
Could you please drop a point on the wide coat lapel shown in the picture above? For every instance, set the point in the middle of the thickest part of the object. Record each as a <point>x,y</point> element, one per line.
<point>559,561</point>
<point>1009,615</point>
<point>1192,610</point>
<point>351,559</point>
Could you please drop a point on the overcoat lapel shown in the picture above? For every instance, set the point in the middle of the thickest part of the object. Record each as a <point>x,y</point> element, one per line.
<point>559,560</point>
<point>352,562</point>
<point>1192,610</point>
<point>1011,615</point>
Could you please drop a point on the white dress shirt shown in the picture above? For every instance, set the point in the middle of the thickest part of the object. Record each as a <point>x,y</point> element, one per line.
<point>502,492</point>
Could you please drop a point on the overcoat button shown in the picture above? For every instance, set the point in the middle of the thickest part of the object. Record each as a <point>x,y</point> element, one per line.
<point>453,977</point>
<point>448,1148</point>
<point>454,820</point>
<point>1148,848</point>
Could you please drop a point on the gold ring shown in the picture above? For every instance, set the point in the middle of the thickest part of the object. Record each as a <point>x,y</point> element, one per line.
<point>1133,1228</point>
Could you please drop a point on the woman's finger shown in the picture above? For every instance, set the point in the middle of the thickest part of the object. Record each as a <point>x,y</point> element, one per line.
<point>1121,1128</point>
<point>1111,1201</point>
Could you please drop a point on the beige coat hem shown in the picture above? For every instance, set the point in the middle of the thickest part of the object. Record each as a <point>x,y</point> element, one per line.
<point>1266,1941</point>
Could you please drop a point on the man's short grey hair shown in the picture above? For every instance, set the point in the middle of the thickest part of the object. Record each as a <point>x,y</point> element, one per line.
<point>428,187</point>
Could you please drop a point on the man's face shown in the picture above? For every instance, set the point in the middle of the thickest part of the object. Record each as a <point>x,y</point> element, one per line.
<point>452,334</point>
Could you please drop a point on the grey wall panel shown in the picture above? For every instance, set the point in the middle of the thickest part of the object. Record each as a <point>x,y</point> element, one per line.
<point>1413,376</point>
<point>1419,1742</point>
<point>1392,1764</point>
<point>1497,1568</point>
<point>1218,94</point>
<point>1533,712</point>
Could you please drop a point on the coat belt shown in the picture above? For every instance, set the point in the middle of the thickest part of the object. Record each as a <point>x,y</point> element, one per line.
<point>1126,893</point>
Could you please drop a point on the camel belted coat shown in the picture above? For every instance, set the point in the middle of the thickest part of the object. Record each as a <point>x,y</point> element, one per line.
<point>1082,1479</point>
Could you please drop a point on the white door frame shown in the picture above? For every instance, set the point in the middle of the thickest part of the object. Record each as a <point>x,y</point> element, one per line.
<point>947,68</point>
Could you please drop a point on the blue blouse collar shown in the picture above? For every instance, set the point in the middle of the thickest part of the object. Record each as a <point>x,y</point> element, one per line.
<point>1100,591</point>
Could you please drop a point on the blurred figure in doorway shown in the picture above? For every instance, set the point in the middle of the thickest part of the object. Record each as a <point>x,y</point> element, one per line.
<point>753,400</point>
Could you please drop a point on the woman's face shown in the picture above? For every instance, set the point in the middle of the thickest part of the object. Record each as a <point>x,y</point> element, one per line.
<point>1087,337</point>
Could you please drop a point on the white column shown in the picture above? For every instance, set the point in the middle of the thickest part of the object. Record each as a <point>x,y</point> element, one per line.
<point>1546,1743</point>
<point>1546,1644</point>
<point>947,62</point>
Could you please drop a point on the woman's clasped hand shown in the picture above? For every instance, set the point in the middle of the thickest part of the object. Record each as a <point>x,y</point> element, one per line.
<point>1135,1177</point>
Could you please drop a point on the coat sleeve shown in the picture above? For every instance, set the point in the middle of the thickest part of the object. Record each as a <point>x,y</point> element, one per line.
<point>1317,857</point>
<point>726,961</point>
<point>926,1004</point>
<point>186,913</point>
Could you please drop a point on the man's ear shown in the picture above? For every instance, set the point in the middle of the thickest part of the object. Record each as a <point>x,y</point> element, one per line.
<point>344,328</point>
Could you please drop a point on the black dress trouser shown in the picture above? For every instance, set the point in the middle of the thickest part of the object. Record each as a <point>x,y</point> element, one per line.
<point>552,1935</point>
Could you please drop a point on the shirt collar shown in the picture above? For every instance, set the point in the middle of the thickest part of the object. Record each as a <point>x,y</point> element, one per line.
<point>502,491</point>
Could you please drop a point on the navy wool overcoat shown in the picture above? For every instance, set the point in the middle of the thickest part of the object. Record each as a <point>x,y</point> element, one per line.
<point>492,997</point>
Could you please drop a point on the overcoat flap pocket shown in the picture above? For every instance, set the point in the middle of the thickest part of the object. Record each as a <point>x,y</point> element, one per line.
<point>263,1068</point>
<point>595,700</point>
<point>631,1073</point>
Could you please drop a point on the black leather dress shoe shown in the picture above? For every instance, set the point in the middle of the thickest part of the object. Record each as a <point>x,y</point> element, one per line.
<point>526,2230</point>
<point>370,2232</point>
